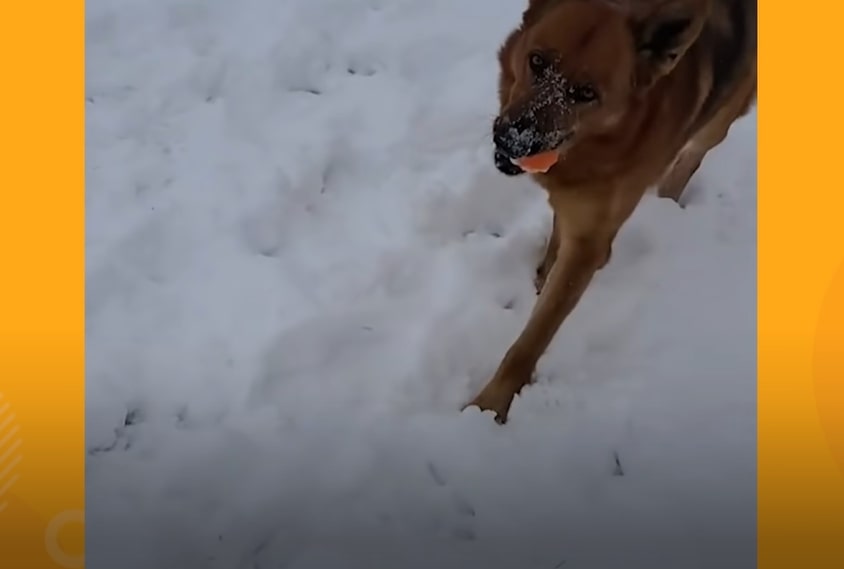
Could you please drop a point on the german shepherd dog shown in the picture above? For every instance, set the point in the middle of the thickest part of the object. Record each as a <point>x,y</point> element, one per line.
<point>631,94</point>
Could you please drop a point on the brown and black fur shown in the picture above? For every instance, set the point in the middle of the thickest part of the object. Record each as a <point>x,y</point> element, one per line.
<point>632,94</point>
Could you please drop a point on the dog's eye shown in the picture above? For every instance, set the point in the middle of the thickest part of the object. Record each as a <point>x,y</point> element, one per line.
<point>583,94</point>
<point>537,62</point>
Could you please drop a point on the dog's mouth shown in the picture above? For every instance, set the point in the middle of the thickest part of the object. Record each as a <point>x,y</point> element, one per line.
<point>505,164</point>
<point>539,160</point>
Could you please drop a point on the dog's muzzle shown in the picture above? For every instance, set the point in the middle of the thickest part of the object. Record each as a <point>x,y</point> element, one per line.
<point>504,165</point>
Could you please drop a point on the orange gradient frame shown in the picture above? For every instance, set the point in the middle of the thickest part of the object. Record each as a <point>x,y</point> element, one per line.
<point>42,246</point>
<point>801,286</point>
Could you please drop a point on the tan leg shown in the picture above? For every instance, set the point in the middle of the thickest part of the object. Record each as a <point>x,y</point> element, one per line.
<point>711,135</point>
<point>550,256</point>
<point>674,183</point>
<point>577,261</point>
<point>586,223</point>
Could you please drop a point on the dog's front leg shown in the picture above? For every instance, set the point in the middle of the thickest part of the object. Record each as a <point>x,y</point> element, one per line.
<point>551,249</point>
<point>577,260</point>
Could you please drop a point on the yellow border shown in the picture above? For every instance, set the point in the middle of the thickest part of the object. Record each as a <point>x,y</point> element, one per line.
<point>42,297</point>
<point>801,286</point>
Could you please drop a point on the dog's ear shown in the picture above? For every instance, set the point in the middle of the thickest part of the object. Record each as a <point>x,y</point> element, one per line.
<point>663,31</point>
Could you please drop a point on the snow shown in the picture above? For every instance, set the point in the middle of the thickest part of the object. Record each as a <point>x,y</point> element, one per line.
<point>302,263</point>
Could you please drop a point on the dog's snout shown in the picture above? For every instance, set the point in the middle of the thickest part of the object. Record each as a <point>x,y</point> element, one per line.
<point>500,140</point>
<point>515,138</point>
<point>499,131</point>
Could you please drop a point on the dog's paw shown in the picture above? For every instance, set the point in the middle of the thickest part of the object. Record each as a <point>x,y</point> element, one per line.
<point>496,397</point>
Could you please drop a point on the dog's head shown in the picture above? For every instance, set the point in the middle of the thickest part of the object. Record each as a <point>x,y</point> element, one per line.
<point>572,68</point>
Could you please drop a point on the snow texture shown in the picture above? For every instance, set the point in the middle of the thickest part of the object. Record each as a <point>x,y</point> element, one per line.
<point>302,263</point>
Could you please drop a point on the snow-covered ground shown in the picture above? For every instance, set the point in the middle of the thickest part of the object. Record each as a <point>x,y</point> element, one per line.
<point>301,263</point>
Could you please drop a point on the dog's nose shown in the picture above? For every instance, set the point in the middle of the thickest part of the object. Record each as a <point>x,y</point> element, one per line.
<point>499,139</point>
<point>515,138</point>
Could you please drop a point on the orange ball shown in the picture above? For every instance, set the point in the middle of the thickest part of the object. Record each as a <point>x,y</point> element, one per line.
<point>538,163</point>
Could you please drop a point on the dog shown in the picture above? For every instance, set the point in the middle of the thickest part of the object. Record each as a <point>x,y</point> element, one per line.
<point>631,94</point>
